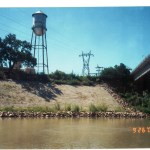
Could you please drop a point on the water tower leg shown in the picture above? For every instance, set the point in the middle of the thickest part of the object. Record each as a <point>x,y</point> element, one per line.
<point>43,55</point>
<point>39,46</point>
<point>46,54</point>
<point>34,44</point>
<point>31,39</point>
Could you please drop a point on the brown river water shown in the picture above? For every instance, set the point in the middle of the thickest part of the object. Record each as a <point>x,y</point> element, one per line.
<point>76,133</point>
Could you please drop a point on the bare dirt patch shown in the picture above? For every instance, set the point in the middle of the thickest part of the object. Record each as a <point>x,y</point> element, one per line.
<point>30,94</point>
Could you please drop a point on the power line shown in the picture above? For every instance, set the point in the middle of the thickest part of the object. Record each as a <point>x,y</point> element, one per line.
<point>60,41</point>
<point>56,39</point>
<point>10,19</point>
<point>25,14</point>
<point>12,27</point>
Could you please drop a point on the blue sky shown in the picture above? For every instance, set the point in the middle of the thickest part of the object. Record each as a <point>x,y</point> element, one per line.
<point>113,34</point>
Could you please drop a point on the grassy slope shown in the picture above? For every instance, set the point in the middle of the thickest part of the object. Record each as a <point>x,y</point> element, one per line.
<point>30,94</point>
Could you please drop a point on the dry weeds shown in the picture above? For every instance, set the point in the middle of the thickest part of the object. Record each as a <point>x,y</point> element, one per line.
<point>30,94</point>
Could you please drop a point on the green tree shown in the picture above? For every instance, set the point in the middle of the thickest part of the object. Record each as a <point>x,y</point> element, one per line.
<point>2,59</point>
<point>122,71</point>
<point>118,76</point>
<point>58,75</point>
<point>13,50</point>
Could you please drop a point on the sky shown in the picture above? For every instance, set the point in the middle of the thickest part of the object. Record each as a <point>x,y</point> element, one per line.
<point>113,34</point>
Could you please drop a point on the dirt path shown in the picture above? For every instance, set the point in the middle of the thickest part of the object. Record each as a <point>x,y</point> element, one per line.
<point>31,94</point>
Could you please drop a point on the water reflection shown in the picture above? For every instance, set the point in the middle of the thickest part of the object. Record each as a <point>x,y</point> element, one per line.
<point>73,133</point>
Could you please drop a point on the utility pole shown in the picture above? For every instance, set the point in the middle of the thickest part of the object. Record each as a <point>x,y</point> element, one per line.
<point>86,60</point>
<point>99,69</point>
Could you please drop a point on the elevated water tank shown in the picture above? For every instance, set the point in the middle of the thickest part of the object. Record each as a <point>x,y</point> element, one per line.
<point>39,23</point>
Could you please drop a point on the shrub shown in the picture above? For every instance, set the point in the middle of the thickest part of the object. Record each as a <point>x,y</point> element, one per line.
<point>102,107</point>
<point>73,82</point>
<point>143,109</point>
<point>67,107</point>
<point>58,75</point>
<point>2,75</point>
<point>92,108</point>
<point>75,108</point>
<point>140,101</point>
<point>9,108</point>
<point>98,108</point>
<point>59,82</point>
<point>57,107</point>
<point>87,83</point>
<point>119,109</point>
<point>117,76</point>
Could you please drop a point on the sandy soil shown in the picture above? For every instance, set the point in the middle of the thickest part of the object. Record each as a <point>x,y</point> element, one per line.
<point>29,94</point>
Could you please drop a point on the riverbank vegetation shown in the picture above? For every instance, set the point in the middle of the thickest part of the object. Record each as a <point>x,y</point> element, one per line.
<point>15,53</point>
<point>58,108</point>
<point>139,101</point>
<point>117,78</point>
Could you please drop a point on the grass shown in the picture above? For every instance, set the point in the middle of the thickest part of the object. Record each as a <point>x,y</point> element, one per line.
<point>119,109</point>
<point>7,88</point>
<point>103,107</point>
<point>67,107</point>
<point>92,108</point>
<point>10,108</point>
<point>57,107</point>
<point>75,108</point>
<point>38,109</point>
<point>98,108</point>
<point>27,109</point>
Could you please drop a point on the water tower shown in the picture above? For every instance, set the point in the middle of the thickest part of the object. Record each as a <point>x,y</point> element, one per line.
<point>39,42</point>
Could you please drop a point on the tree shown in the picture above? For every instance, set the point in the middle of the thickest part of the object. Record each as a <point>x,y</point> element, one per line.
<point>122,70</point>
<point>13,50</point>
<point>1,53</point>
<point>118,76</point>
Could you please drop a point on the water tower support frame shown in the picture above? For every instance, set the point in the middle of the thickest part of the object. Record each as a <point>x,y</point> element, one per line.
<point>39,44</point>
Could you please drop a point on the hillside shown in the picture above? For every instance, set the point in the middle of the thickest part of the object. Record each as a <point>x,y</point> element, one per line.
<point>30,94</point>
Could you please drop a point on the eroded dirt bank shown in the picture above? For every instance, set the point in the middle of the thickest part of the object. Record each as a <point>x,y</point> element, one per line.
<point>35,94</point>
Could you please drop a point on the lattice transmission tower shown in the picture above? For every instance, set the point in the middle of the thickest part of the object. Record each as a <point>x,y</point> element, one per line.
<point>99,69</point>
<point>86,61</point>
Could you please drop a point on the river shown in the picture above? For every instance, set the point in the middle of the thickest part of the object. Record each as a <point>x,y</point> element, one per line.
<point>70,133</point>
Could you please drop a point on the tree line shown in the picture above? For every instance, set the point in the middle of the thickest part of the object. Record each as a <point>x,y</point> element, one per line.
<point>13,51</point>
